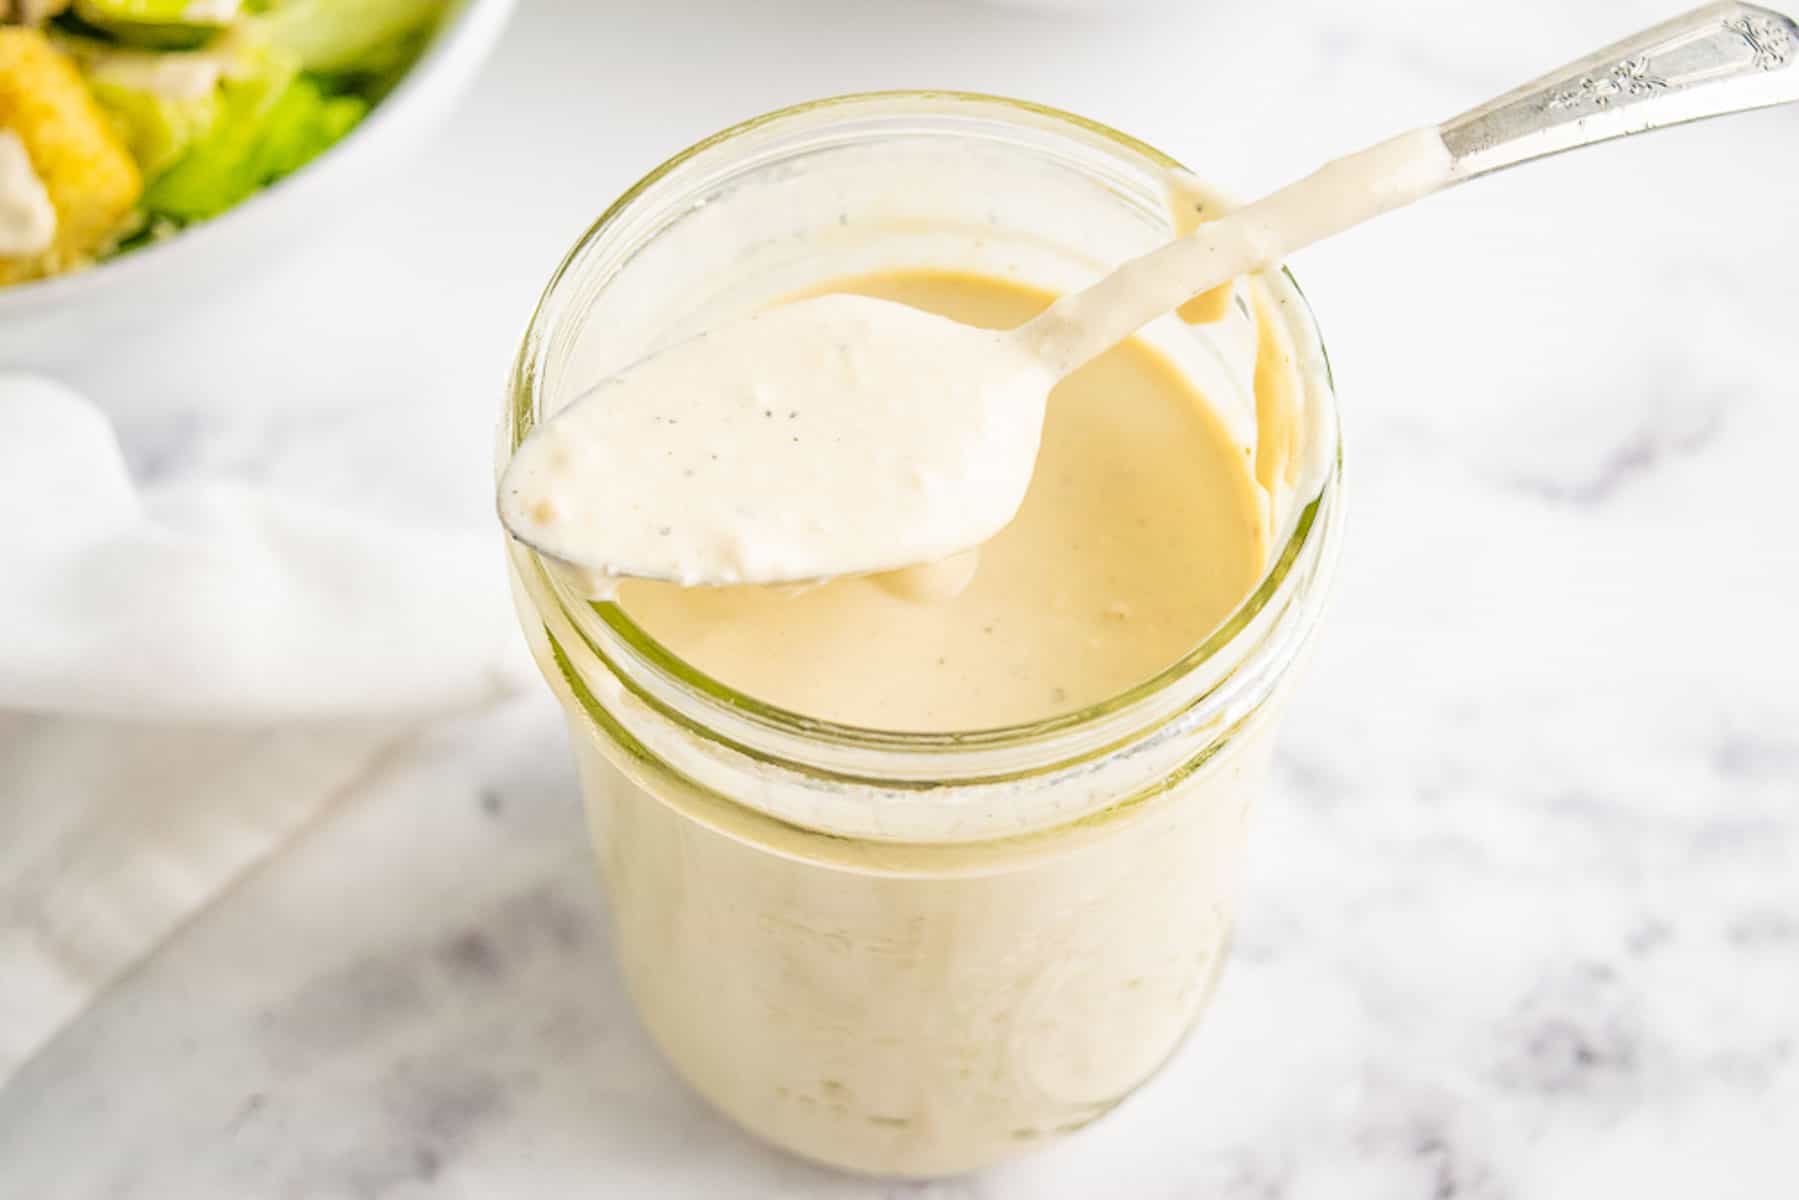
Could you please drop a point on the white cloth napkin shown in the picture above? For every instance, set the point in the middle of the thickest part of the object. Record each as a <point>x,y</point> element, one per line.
<point>209,601</point>
<point>195,672</point>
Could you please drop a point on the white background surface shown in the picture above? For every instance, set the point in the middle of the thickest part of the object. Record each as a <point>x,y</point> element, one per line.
<point>1523,909</point>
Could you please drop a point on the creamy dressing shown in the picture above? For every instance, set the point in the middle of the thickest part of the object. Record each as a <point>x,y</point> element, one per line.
<point>212,12</point>
<point>838,435</point>
<point>1140,531</point>
<point>27,217</point>
<point>191,76</point>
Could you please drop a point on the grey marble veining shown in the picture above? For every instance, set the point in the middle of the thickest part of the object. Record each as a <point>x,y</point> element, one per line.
<point>1522,912</point>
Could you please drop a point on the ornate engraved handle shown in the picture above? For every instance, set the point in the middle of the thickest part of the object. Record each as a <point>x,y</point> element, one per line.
<point>1719,59</point>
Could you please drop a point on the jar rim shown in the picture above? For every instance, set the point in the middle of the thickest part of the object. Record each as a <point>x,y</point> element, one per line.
<point>1314,522</point>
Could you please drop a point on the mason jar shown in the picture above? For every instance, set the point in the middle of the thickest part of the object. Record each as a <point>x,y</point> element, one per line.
<point>917,953</point>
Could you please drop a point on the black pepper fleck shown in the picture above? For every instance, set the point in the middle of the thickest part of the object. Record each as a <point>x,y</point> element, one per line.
<point>665,530</point>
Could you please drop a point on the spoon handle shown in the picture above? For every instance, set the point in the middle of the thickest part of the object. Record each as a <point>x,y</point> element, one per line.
<point>1719,59</point>
<point>1722,58</point>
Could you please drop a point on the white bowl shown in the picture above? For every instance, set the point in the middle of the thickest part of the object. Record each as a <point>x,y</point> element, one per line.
<point>55,320</point>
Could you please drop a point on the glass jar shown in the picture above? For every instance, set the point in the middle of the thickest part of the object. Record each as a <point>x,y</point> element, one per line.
<point>905,953</point>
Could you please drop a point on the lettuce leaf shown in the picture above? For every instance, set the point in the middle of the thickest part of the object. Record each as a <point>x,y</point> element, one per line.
<point>302,124</point>
<point>288,79</point>
<point>158,129</point>
<point>161,102</point>
<point>164,24</point>
<point>267,126</point>
<point>346,36</point>
<point>214,173</point>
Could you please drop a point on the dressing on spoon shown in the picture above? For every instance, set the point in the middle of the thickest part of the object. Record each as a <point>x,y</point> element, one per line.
<point>839,435</point>
<point>844,435</point>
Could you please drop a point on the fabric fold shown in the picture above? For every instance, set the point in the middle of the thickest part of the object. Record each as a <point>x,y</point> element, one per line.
<point>195,673</point>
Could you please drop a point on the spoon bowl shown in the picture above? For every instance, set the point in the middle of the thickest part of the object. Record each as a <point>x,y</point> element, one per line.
<point>924,430</point>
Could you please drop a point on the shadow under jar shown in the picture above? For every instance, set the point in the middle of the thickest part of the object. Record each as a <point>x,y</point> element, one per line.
<point>903,953</point>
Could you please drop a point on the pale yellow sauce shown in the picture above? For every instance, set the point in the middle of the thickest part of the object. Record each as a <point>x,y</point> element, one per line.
<point>1141,531</point>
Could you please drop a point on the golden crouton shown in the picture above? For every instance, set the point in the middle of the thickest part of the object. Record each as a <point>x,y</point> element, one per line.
<point>92,181</point>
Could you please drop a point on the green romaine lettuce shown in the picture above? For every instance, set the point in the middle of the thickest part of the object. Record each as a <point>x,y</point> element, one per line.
<point>303,123</point>
<point>158,129</point>
<point>167,24</point>
<point>161,101</point>
<point>267,125</point>
<point>289,78</point>
<point>345,36</point>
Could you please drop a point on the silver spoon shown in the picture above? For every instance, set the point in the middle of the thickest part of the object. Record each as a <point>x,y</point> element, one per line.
<point>570,484</point>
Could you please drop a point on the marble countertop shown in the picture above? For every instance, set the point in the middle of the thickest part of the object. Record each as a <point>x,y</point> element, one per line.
<point>1522,912</point>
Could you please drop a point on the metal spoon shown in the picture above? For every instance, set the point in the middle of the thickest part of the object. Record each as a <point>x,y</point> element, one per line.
<point>1722,58</point>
